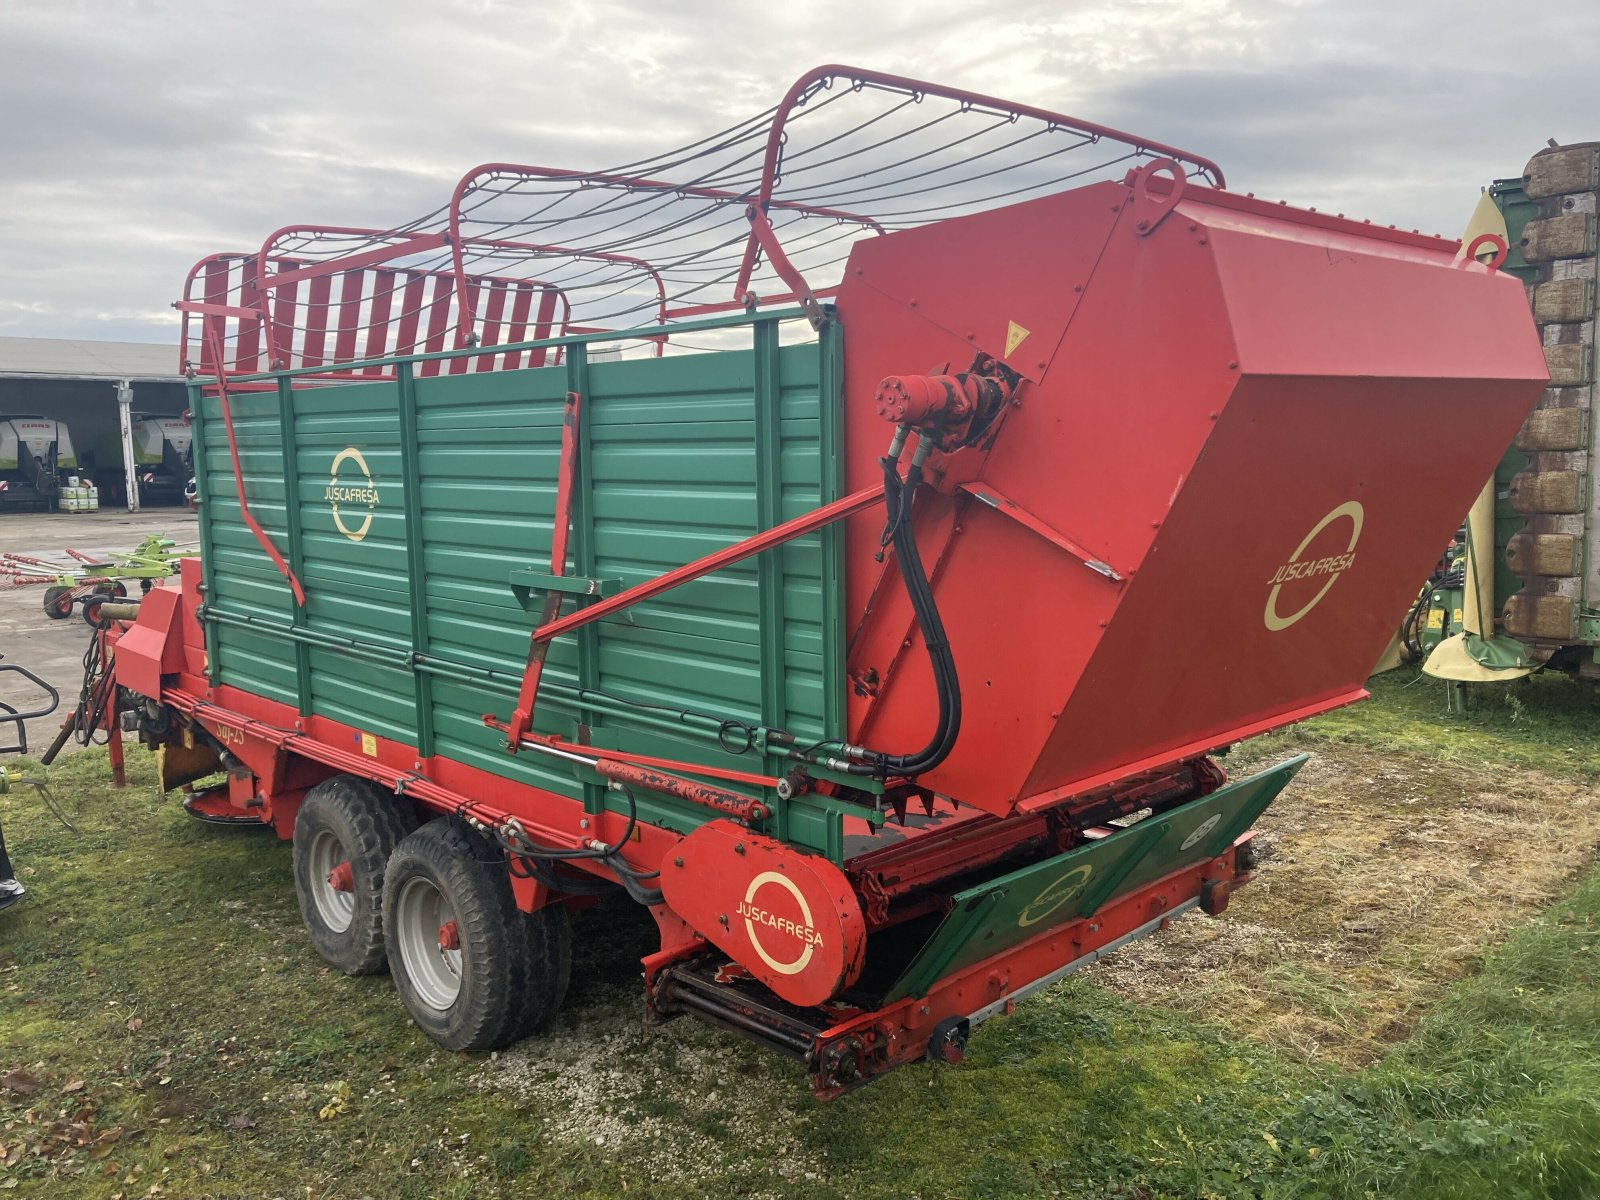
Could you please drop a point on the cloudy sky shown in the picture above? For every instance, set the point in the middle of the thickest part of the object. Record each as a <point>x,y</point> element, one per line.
<point>138,135</point>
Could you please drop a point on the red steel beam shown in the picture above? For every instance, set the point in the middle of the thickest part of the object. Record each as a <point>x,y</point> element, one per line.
<point>284,301</point>
<point>247,350</point>
<point>410,313</point>
<point>311,351</point>
<point>492,320</point>
<point>385,284</point>
<point>213,327</point>
<point>344,344</point>
<point>725,557</point>
<point>521,306</point>
<point>539,648</point>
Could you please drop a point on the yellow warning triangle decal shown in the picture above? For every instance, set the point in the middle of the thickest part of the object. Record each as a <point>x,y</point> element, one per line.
<point>1014,335</point>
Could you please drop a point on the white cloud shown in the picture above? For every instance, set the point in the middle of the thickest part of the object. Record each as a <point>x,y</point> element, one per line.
<point>141,135</point>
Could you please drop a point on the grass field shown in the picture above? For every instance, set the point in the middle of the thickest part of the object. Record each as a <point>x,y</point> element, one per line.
<point>1405,1004</point>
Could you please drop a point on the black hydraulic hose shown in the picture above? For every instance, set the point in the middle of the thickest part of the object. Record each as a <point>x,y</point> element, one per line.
<point>899,498</point>
<point>541,862</point>
<point>933,632</point>
<point>97,691</point>
<point>1408,628</point>
<point>572,885</point>
<point>1410,638</point>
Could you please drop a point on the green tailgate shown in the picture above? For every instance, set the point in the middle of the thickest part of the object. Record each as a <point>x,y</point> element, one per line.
<point>995,916</point>
<point>409,509</point>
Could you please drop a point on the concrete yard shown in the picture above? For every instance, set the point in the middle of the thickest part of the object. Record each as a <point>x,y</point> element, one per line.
<point>53,649</point>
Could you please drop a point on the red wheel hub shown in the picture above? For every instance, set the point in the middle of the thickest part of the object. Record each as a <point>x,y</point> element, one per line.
<point>449,936</point>
<point>342,878</point>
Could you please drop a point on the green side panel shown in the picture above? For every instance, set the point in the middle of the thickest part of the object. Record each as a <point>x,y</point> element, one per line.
<point>240,579</point>
<point>417,505</point>
<point>1508,522</point>
<point>995,916</point>
<point>1445,617</point>
<point>1517,210</point>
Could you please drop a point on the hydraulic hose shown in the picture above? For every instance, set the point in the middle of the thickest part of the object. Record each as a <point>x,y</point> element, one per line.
<point>542,862</point>
<point>899,498</point>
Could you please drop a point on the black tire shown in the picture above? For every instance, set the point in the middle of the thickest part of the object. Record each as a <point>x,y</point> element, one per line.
<point>544,988</point>
<point>507,974</point>
<point>347,819</point>
<point>58,603</point>
<point>115,590</point>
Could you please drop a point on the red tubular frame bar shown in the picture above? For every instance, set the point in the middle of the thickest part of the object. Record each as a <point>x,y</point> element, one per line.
<point>763,234</point>
<point>727,556</point>
<point>551,626</point>
<point>214,337</point>
<point>539,649</point>
<point>823,76</point>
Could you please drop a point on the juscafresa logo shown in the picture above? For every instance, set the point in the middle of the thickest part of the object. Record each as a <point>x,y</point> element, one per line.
<point>355,489</point>
<point>754,914</point>
<point>1058,892</point>
<point>1328,567</point>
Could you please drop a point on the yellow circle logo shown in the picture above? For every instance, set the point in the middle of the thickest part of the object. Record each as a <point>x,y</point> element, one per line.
<point>755,914</point>
<point>1328,567</point>
<point>1067,887</point>
<point>353,491</point>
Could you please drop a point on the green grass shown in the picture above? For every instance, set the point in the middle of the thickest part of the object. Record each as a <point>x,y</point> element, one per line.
<point>1496,1095</point>
<point>1544,722</point>
<point>184,1038</point>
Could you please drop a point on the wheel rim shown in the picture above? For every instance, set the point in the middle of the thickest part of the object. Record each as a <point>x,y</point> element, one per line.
<point>336,908</point>
<point>421,914</point>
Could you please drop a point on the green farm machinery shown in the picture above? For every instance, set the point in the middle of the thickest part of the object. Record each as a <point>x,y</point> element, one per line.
<point>1520,587</point>
<point>90,580</point>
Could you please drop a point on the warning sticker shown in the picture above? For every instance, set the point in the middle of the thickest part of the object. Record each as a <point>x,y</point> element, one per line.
<point>1014,337</point>
<point>369,745</point>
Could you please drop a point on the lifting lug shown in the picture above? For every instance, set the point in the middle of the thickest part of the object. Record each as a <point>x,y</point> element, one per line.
<point>1150,210</point>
